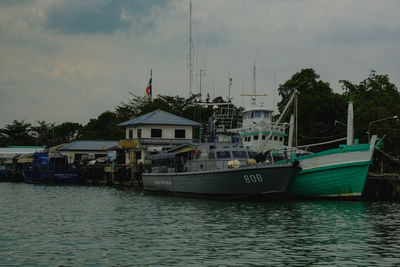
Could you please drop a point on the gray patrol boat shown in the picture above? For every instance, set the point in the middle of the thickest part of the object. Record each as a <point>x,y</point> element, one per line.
<point>217,170</point>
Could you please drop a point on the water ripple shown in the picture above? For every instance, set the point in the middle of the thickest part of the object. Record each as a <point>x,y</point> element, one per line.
<point>91,226</point>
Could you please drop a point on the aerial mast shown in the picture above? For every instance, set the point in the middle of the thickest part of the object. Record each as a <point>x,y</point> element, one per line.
<point>190,58</point>
<point>253,98</point>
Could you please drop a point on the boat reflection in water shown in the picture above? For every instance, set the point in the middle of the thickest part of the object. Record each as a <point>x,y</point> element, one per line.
<point>215,169</point>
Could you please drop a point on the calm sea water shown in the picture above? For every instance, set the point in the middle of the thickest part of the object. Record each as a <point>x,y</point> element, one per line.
<point>101,226</point>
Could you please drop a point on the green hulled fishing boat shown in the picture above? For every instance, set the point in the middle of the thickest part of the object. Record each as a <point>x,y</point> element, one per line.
<point>339,172</point>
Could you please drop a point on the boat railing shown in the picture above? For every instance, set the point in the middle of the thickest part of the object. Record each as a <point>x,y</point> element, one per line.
<point>280,127</point>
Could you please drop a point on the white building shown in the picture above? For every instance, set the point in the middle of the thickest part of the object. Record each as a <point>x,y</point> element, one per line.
<point>154,131</point>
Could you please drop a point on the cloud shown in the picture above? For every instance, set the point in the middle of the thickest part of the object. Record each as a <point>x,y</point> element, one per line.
<point>16,3</point>
<point>37,42</point>
<point>351,34</point>
<point>70,60</point>
<point>100,16</point>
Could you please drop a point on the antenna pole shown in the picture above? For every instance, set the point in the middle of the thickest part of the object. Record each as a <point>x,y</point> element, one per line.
<point>229,86</point>
<point>274,90</point>
<point>190,63</point>
<point>202,74</point>
<point>296,118</point>
<point>243,92</point>
<point>254,84</point>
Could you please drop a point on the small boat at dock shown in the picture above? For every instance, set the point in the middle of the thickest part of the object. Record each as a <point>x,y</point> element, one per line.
<point>50,168</point>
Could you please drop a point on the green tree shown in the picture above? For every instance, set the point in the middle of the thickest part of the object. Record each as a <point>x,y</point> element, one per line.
<point>44,133</point>
<point>67,132</point>
<point>375,98</point>
<point>18,133</point>
<point>318,107</point>
<point>140,105</point>
<point>105,127</point>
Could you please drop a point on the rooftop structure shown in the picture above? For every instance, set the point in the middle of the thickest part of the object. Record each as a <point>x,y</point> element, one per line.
<point>160,117</point>
<point>89,145</point>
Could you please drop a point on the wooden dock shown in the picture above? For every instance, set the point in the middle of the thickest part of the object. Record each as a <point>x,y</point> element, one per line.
<point>382,186</point>
<point>379,186</point>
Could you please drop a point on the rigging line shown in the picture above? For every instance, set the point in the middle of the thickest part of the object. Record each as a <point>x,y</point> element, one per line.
<point>388,156</point>
<point>282,104</point>
<point>323,137</point>
<point>387,129</point>
<point>323,143</point>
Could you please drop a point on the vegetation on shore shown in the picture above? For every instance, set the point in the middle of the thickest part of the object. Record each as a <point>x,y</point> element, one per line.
<point>319,107</point>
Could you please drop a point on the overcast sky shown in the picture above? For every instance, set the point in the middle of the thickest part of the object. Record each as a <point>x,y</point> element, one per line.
<point>71,60</point>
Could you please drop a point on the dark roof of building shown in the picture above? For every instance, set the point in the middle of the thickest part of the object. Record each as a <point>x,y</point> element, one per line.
<point>160,117</point>
<point>89,145</point>
<point>12,151</point>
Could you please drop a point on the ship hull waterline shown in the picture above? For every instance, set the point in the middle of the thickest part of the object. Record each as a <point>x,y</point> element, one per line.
<point>338,181</point>
<point>245,182</point>
<point>337,173</point>
<point>51,176</point>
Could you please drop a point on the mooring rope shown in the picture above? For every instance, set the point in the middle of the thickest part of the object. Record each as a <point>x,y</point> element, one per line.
<point>389,156</point>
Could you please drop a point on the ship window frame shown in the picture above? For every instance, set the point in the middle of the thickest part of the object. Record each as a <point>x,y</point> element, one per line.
<point>223,154</point>
<point>211,155</point>
<point>252,154</point>
<point>255,137</point>
<point>130,133</point>
<point>239,154</point>
<point>139,133</point>
<point>257,113</point>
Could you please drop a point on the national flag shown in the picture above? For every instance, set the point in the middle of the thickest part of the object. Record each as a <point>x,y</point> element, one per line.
<point>148,89</point>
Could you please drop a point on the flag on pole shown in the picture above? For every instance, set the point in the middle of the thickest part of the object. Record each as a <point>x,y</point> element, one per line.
<point>148,89</point>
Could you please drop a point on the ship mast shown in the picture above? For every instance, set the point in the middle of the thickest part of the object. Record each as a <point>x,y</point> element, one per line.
<point>254,94</point>
<point>253,98</point>
<point>190,57</point>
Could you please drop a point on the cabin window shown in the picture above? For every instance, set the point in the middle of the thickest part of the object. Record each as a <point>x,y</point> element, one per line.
<point>138,155</point>
<point>275,138</point>
<point>281,138</point>
<point>257,113</point>
<point>256,137</point>
<point>252,154</point>
<point>211,155</point>
<point>223,154</point>
<point>263,137</point>
<point>246,115</point>
<point>239,154</point>
<point>130,134</point>
<point>180,134</point>
<point>139,133</point>
<point>156,132</point>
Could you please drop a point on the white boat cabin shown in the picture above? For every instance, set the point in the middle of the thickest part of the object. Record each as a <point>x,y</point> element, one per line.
<point>257,124</point>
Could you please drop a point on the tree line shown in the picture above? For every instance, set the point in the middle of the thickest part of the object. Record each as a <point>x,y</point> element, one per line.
<point>322,113</point>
